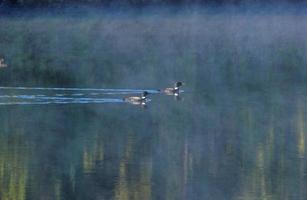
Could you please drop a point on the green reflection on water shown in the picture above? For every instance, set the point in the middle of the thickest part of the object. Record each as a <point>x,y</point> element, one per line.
<point>13,164</point>
<point>248,150</point>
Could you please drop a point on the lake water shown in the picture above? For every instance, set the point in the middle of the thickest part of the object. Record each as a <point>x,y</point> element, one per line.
<point>238,131</point>
<point>234,146</point>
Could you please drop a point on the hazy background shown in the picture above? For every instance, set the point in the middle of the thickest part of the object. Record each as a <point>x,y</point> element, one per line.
<point>233,49</point>
<point>239,133</point>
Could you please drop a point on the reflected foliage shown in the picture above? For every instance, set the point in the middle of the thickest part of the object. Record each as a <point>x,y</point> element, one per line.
<point>249,147</point>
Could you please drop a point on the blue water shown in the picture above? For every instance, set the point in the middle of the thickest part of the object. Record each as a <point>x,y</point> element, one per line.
<point>16,95</point>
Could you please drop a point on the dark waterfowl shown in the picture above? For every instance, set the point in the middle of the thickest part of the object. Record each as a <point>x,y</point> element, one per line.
<point>137,100</point>
<point>2,64</point>
<point>174,90</point>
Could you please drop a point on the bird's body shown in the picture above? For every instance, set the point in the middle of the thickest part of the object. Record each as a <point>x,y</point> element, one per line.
<point>137,100</point>
<point>174,90</point>
<point>171,91</point>
<point>2,64</point>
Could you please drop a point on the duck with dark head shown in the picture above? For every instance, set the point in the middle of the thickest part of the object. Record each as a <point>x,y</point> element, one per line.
<point>174,90</point>
<point>137,100</point>
<point>2,64</point>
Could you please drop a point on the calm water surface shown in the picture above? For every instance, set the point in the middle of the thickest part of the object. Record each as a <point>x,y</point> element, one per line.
<point>238,133</point>
<point>232,146</point>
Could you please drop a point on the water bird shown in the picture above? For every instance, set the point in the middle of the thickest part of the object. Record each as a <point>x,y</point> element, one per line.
<point>137,100</point>
<point>174,90</point>
<point>2,64</point>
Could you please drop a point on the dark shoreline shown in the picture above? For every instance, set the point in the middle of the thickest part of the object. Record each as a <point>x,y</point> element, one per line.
<point>83,10</point>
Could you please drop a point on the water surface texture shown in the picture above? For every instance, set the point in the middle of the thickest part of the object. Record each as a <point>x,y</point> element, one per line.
<point>30,96</point>
<point>239,131</point>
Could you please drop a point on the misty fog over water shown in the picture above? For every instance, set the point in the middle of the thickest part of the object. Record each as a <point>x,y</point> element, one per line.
<point>238,132</point>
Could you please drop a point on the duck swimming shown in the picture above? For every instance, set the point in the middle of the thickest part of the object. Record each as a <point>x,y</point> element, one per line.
<point>137,100</point>
<point>2,64</point>
<point>174,90</point>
